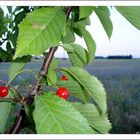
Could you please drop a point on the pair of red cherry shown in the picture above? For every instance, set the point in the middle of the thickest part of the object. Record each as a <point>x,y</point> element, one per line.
<point>3,91</point>
<point>63,92</point>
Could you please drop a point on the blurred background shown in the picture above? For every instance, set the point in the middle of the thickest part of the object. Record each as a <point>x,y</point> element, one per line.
<point>117,63</point>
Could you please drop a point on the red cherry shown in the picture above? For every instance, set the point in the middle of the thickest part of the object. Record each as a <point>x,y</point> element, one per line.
<point>64,78</point>
<point>3,91</point>
<point>62,92</point>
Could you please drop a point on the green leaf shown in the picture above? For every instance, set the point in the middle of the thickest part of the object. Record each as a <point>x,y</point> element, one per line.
<point>40,30</point>
<point>75,60</point>
<point>78,55</point>
<point>17,65</point>
<point>54,64</point>
<point>73,56</point>
<point>91,46</point>
<point>14,69</point>
<point>9,48</point>
<point>69,37</point>
<point>13,36</point>
<point>9,9</point>
<point>85,11</point>
<point>103,14</point>
<point>81,52</point>
<point>75,89</point>
<point>68,48</point>
<point>77,31</point>
<point>15,109</point>
<point>1,17</point>
<point>5,109</point>
<point>19,17</point>
<point>99,123</point>
<point>29,112</point>
<point>26,130</point>
<point>17,8</point>
<point>131,13</point>
<point>54,115</point>
<point>51,76</point>
<point>4,55</point>
<point>75,14</point>
<point>90,84</point>
<point>84,22</point>
<point>1,21</point>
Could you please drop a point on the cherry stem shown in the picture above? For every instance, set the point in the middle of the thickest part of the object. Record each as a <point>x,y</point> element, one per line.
<point>22,72</point>
<point>12,88</point>
<point>8,99</point>
<point>30,90</point>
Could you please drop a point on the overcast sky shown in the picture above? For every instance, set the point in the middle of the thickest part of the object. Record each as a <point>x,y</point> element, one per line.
<point>125,38</point>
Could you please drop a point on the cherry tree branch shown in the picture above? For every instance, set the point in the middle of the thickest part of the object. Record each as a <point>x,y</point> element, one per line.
<point>17,125</point>
<point>48,59</point>
<point>43,72</point>
<point>44,69</point>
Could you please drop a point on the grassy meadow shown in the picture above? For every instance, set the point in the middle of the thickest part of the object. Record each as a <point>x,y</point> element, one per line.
<point>121,79</point>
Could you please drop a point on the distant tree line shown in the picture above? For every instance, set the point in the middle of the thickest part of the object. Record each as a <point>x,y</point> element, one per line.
<point>97,57</point>
<point>115,57</point>
<point>120,57</point>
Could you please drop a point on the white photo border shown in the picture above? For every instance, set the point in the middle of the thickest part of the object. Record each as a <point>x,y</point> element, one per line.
<point>69,3</point>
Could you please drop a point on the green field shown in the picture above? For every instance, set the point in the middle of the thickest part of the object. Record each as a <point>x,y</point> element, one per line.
<point>121,79</point>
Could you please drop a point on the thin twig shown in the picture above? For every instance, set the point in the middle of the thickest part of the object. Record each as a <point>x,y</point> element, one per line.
<point>8,100</point>
<point>20,73</point>
<point>33,86</point>
<point>68,11</point>
<point>12,88</point>
<point>18,122</point>
<point>15,129</point>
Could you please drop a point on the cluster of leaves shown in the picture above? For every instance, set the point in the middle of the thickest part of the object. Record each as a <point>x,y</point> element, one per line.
<point>9,29</point>
<point>47,27</point>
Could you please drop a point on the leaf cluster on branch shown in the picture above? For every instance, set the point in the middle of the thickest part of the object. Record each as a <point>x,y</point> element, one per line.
<point>41,31</point>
